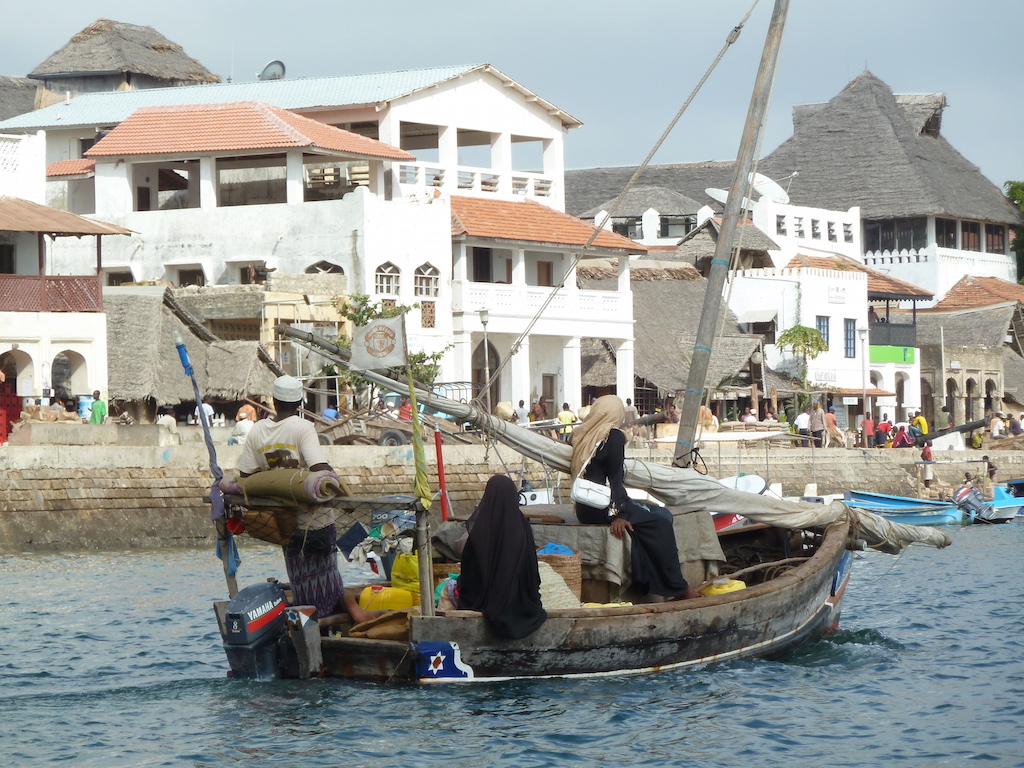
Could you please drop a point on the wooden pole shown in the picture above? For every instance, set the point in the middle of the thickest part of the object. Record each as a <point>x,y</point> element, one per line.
<point>707,328</point>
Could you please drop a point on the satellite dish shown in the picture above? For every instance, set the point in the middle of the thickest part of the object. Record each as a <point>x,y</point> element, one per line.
<point>721,196</point>
<point>765,186</point>
<point>273,71</point>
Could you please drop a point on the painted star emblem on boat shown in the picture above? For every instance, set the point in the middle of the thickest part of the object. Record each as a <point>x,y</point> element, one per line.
<point>436,662</point>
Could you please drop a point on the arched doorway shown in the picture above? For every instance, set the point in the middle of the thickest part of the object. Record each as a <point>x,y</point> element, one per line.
<point>480,373</point>
<point>993,397</point>
<point>927,401</point>
<point>971,398</point>
<point>69,375</point>
<point>952,393</point>
<point>19,371</point>
<point>901,389</point>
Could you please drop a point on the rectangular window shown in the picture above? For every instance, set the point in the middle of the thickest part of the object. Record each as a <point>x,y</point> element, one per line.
<point>780,225</point>
<point>119,278</point>
<point>970,235</point>
<point>911,234</point>
<point>545,273</point>
<point>995,238</point>
<point>428,314</point>
<point>849,337</point>
<point>765,329</point>
<point>191,277</point>
<point>798,226</point>
<point>821,323</point>
<point>674,226</point>
<point>945,233</point>
<point>832,237</point>
<point>815,229</point>
<point>847,233</point>
<point>631,227</point>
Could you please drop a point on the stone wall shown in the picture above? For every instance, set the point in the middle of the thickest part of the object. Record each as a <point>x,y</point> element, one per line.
<point>64,497</point>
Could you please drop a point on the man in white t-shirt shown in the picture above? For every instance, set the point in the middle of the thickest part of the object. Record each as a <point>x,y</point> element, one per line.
<point>803,424</point>
<point>287,441</point>
<point>206,409</point>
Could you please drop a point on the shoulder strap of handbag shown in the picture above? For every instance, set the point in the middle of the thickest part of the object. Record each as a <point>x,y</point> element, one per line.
<point>586,463</point>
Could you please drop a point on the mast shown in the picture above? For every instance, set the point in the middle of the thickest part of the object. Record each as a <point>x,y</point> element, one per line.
<point>723,248</point>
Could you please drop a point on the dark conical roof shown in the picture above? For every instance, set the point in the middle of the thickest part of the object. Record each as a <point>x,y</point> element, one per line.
<point>107,46</point>
<point>868,148</point>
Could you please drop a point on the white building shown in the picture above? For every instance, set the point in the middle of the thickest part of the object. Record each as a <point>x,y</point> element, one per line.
<point>362,175</point>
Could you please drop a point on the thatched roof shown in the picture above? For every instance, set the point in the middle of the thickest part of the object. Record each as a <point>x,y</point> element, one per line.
<point>641,199</point>
<point>17,96</point>
<point>1013,371</point>
<point>143,362</point>
<point>106,47</point>
<point>966,328</point>
<point>588,188</point>
<point>667,306</point>
<point>865,147</point>
<point>868,148</point>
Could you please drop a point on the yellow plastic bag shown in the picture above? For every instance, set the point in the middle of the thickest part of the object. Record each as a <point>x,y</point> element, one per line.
<point>405,573</point>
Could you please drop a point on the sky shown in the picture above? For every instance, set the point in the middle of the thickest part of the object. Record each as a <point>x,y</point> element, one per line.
<point>623,69</point>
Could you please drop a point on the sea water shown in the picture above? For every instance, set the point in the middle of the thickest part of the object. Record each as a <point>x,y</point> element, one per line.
<point>114,659</point>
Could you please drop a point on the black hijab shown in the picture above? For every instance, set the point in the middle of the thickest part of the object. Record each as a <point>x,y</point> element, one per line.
<point>499,564</point>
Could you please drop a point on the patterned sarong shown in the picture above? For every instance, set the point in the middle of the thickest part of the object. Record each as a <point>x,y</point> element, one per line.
<point>311,559</point>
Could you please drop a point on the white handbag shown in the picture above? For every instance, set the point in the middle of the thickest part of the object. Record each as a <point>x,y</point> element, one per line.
<point>597,495</point>
<point>583,491</point>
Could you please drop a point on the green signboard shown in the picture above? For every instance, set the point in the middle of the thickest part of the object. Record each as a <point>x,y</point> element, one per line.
<point>892,354</point>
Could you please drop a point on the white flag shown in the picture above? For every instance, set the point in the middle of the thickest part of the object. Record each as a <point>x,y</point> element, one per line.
<point>381,344</point>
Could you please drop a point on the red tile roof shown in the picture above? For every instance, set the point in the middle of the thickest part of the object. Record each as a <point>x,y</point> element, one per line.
<point>242,126</point>
<point>71,167</point>
<point>530,221</point>
<point>880,285</point>
<point>971,292</point>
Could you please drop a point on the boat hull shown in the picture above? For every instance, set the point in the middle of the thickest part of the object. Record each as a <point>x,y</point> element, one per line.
<point>909,511</point>
<point>762,620</point>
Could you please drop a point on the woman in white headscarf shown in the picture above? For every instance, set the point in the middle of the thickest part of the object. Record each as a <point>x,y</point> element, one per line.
<point>599,453</point>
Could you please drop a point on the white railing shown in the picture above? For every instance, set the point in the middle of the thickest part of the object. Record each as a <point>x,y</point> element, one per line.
<point>526,300</point>
<point>415,178</point>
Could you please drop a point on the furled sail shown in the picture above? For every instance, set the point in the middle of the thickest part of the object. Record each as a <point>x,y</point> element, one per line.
<point>673,486</point>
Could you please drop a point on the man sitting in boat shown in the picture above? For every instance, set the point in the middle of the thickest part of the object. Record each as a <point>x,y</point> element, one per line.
<point>500,576</point>
<point>287,441</point>
<point>599,452</point>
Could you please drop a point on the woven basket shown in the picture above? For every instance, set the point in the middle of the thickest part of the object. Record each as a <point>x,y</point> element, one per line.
<point>442,570</point>
<point>568,567</point>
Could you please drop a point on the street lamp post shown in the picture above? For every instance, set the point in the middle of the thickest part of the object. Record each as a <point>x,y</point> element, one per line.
<point>484,317</point>
<point>863,333</point>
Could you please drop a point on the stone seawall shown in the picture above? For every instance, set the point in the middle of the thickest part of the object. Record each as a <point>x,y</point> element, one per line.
<point>67,497</point>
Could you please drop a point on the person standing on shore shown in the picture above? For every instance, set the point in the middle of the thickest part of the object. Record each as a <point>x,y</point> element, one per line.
<point>802,423</point>
<point>927,471</point>
<point>868,428</point>
<point>99,409</point>
<point>817,425</point>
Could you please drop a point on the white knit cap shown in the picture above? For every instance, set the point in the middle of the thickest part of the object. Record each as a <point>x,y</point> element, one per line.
<point>288,389</point>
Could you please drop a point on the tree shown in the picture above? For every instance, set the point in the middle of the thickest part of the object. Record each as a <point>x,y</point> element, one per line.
<point>805,342</point>
<point>1015,191</point>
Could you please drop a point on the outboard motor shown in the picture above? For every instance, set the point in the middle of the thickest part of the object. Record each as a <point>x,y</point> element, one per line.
<point>255,630</point>
<point>971,500</point>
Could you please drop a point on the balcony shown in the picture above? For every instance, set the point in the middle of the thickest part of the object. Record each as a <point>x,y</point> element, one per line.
<point>524,301</point>
<point>50,293</point>
<point>893,335</point>
<point>420,178</point>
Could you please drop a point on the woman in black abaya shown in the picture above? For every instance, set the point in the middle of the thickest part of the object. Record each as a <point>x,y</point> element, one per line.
<point>599,451</point>
<point>499,563</point>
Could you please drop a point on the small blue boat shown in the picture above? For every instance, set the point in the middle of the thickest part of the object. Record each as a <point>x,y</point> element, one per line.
<point>908,510</point>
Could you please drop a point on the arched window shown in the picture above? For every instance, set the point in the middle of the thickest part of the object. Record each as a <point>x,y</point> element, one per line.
<point>426,281</point>
<point>386,281</point>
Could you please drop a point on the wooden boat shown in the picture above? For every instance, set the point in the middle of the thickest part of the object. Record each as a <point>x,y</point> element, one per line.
<point>910,511</point>
<point>795,581</point>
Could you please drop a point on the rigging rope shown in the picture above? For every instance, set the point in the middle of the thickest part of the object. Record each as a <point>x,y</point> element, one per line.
<point>599,228</point>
